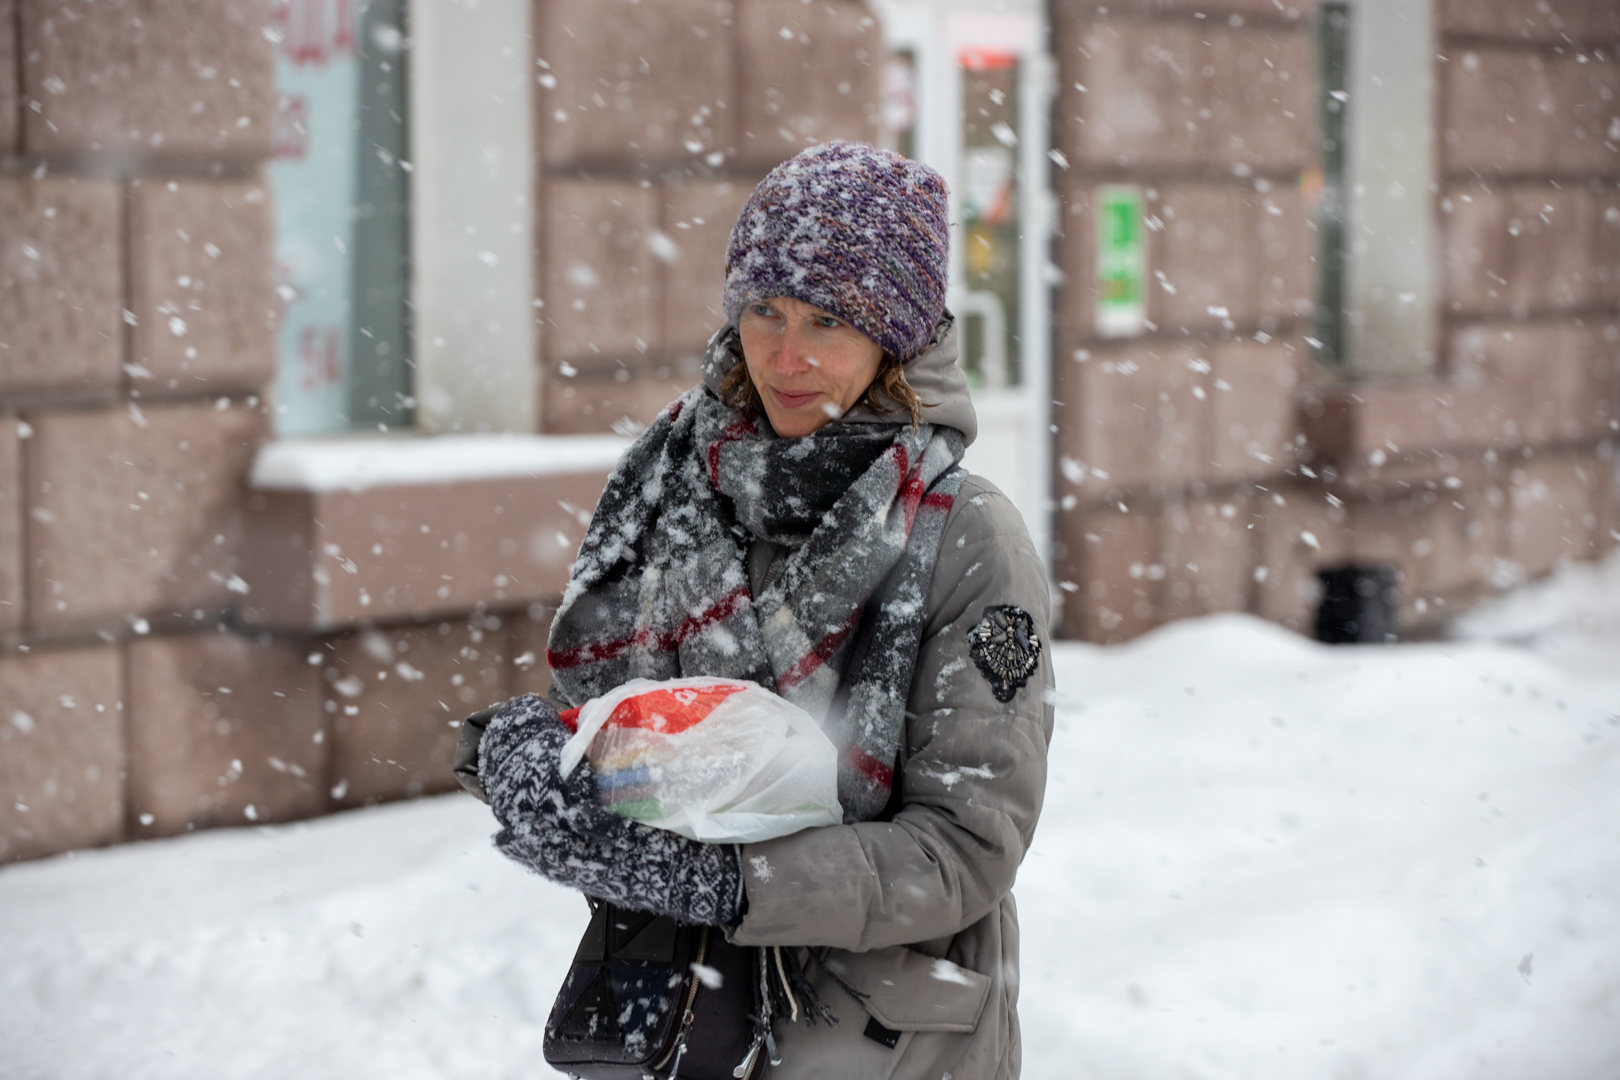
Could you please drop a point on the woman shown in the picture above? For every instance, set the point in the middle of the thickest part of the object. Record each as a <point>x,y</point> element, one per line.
<point>800,520</point>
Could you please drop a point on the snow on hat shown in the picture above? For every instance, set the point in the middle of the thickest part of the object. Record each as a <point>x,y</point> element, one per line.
<point>857,231</point>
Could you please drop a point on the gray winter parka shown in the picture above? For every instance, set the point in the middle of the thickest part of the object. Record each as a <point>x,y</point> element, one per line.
<point>916,913</point>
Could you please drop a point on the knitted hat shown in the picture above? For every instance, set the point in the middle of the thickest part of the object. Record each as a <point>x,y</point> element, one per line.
<point>857,231</point>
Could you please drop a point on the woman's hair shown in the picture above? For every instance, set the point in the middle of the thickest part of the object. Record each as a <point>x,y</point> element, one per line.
<point>737,389</point>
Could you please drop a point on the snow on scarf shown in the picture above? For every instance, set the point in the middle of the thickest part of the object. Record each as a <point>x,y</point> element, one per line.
<point>660,589</point>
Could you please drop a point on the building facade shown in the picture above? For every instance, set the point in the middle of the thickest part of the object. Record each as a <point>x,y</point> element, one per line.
<point>1218,461</point>
<point>227,597</point>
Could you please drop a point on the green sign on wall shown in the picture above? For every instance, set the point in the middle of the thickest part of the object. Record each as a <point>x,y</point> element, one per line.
<point>1121,262</point>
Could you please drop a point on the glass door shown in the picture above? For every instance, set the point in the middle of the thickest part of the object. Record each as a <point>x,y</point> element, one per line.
<point>966,91</point>
<point>988,185</point>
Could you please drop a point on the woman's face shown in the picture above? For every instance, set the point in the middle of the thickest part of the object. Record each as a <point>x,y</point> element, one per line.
<point>808,366</point>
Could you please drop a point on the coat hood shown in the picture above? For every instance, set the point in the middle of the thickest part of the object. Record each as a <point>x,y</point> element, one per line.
<point>934,374</point>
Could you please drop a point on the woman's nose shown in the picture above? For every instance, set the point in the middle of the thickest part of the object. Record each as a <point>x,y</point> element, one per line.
<point>792,356</point>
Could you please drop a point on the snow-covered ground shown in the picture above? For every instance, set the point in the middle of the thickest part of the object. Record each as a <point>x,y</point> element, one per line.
<point>1260,858</point>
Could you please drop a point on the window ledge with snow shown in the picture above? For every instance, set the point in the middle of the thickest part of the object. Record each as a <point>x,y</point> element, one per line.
<point>350,531</point>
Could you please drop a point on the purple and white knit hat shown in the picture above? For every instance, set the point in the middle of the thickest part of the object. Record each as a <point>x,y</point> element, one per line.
<point>854,230</point>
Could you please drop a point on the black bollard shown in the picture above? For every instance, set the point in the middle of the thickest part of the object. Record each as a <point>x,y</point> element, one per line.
<point>1359,604</point>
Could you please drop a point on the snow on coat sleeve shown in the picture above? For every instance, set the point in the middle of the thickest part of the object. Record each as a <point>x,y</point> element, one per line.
<point>972,782</point>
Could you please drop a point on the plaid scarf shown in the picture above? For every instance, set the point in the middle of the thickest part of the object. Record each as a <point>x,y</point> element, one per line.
<point>661,590</point>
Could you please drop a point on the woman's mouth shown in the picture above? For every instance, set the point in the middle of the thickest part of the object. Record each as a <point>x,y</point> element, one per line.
<point>794,399</point>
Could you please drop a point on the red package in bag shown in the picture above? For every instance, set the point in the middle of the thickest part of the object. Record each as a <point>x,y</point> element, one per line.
<point>718,760</point>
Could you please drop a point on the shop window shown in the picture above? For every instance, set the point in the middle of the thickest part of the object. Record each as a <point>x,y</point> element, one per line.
<point>340,178</point>
<point>1377,313</point>
<point>990,202</point>
<point>1326,187</point>
<point>900,102</point>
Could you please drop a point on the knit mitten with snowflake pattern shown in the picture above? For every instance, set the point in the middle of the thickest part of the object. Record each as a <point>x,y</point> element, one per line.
<point>558,827</point>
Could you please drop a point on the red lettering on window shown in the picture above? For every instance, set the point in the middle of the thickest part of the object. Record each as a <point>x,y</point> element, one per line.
<point>291,141</point>
<point>314,31</point>
<point>320,359</point>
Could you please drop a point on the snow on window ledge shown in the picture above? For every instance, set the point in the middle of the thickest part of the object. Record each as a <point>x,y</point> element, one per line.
<point>356,464</point>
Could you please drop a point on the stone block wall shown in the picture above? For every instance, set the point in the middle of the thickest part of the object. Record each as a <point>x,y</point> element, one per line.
<point>178,651</point>
<point>1211,464</point>
<point>137,342</point>
<point>1505,466</point>
<point>1172,444</point>
<point>657,118</point>
<point>61,750</point>
<point>137,335</point>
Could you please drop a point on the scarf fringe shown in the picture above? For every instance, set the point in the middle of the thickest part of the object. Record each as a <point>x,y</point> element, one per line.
<point>782,991</point>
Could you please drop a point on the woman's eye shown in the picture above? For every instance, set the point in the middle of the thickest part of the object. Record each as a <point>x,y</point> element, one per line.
<point>763,311</point>
<point>829,322</point>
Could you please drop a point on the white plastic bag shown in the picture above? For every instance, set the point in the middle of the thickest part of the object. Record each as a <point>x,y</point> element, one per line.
<point>717,760</point>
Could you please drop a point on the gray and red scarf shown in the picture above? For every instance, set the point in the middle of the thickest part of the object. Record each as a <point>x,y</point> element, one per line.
<point>661,588</point>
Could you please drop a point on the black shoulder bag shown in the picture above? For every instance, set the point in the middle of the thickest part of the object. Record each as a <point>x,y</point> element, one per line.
<point>633,1006</point>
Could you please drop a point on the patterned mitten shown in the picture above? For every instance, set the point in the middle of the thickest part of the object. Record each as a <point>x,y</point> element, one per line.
<point>560,829</point>
<point>518,766</point>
